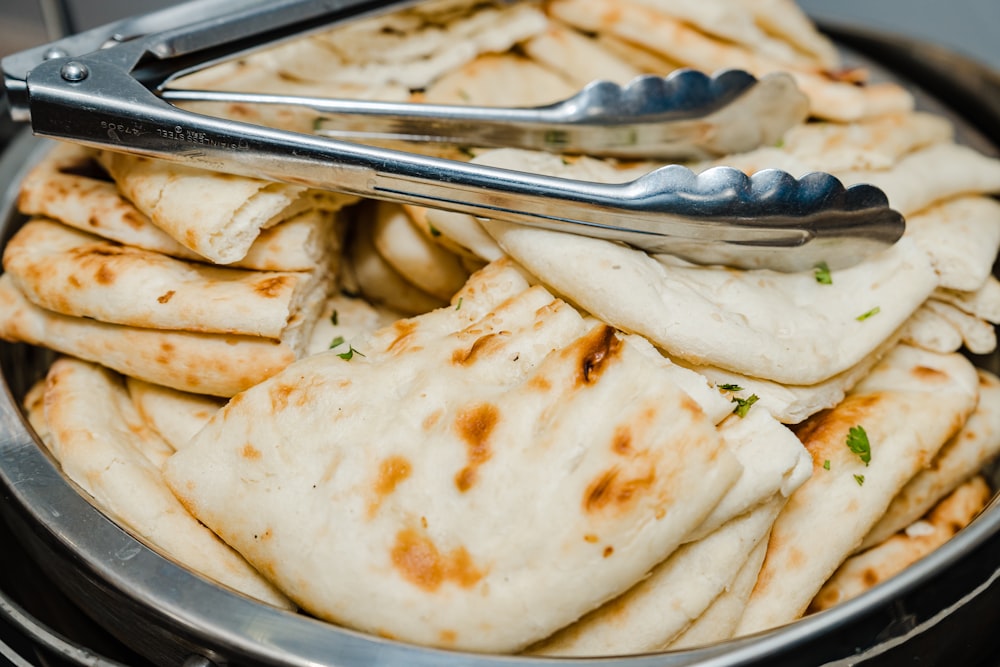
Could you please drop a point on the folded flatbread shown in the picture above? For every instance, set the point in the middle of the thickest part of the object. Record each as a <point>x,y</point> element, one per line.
<point>658,30</point>
<point>493,418</point>
<point>216,215</point>
<point>578,58</point>
<point>890,557</point>
<point>659,608</point>
<point>175,415</point>
<point>74,273</point>
<point>908,407</point>
<point>962,457</point>
<point>104,446</point>
<point>69,186</point>
<point>799,330</point>
<point>984,302</point>
<point>215,364</point>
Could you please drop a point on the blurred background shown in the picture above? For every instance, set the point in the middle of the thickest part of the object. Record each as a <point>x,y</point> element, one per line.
<point>970,27</point>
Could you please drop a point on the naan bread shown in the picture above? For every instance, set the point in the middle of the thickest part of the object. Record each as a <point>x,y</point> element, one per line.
<point>69,186</point>
<point>505,80</point>
<point>909,406</point>
<point>175,415</point>
<point>216,215</point>
<point>962,237</point>
<point>929,330</point>
<point>484,413</point>
<point>678,40</point>
<point>215,364</point>
<point>345,320</point>
<point>785,327</point>
<point>962,457</point>
<point>983,303</point>
<point>883,561</point>
<point>423,263</point>
<point>978,336</point>
<point>74,273</point>
<point>655,611</point>
<point>578,58</point>
<point>104,446</point>
<point>719,621</point>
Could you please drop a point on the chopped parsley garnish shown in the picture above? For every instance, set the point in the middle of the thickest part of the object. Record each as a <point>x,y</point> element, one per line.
<point>334,318</point>
<point>871,313</point>
<point>860,479</point>
<point>857,442</point>
<point>336,342</point>
<point>730,387</point>
<point>743,405</point>
<point>458,305</point>
<point>347,356</point>
<point>826,464</point>
<point>435,232</point>
<point>822,273</point>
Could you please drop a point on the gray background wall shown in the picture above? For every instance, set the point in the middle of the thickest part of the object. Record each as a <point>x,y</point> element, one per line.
<point>971,27</point>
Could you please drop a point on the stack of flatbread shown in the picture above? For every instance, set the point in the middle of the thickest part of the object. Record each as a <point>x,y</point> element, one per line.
<point>469,417</point>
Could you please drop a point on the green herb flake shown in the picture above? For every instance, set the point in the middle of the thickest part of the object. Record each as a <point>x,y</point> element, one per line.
<point>822,273</point>
<point>826,464</point>
<point>780,143</point>
<point>336,342</point>
<point>347,356</point>
<point>435,232</point>
<point>730,387</point>
<point>743,405</point>
<point>458,305</point>
<point>857,442</point>
<point>860,479</point>
<point>334,318</point>
<point>871,313</point>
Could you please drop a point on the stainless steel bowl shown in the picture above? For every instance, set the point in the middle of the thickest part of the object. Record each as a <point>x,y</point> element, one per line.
<point>170,616</point>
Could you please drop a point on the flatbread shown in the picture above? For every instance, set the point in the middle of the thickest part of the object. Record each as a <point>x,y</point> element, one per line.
<point>977,443</point>
<point>785,19</point>
<point>927,329</point>
<point>978,336</point>
<point>983,303</point>
<point>428,495</point>
<point>346,319</point>
<point>578,58</point>
<point>655,611</point>
<point>74,273</point>
<point>678,40</point>
<point>216,215</point>
<point>499,79</point>
<point>69,186</point>
<point>102,444</point>
<point>423,263</point>
<point>215,364</point>
<point>175,415</point>
<point>800,331</point>
<point>909,406</point>
<point>883,561</point>
<point>719,621</point>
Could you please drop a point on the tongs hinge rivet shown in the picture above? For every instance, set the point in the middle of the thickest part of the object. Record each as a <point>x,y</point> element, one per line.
<point>74,71</point>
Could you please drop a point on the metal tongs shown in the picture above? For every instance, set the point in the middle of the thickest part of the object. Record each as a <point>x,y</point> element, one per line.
<point>110,88</point>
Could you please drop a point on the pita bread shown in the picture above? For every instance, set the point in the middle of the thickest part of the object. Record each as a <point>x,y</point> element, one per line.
<point>791,404</point>
<point>345,320</point>
<point>866,570</point>
<point>959,459</point>
<point>655,611</point>
<point>423,263</point>
<point>871,143</point>
<point>909,406</point>
<point>927,329</point>
<point>103,445</point>
<point>678,40</point>
<point>378,281</point>
<point>504,79</point>
<point>978,337</point>
<point>215,364</point>
<point>983,303</point>
<point>407,49</point>
<point>74,273</point>
<point>578,58</point>
<point>175,415</point>
<point>962,237</point>
<point>443,573</point>
<point>785,19</point>
<point>802,332</point>
<point>69,186</point>
<point>216,215</point>
<point>932,174</point>
<point>719,621</point>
